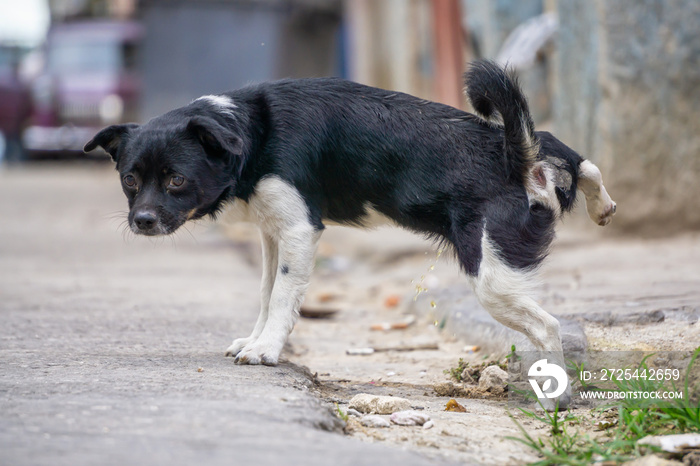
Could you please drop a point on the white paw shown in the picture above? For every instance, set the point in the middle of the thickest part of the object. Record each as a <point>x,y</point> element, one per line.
<point>259,353</point>
<point>237,345</point>
<point>607,215</point>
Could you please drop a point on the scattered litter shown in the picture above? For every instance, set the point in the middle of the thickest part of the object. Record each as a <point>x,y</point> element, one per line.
<point>394,325</point>
<point>678,443</point>
<point>359,351</point>
<point>416,347</point>
<point>320,312</point>
<point>409,418</point>
<point>455,407</point>
<point>336,263</point>
<point>392,301</point>
<point>390,373</point>
<point>373,404</point>
<point>368,351</point>
<point>429,424</point>
<point>325,297</point>
<point>493,379</point>
<point>605,424</point>
<point>471,348</point>
<point>372,420</point>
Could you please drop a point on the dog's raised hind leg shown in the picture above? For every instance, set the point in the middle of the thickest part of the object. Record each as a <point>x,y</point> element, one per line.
<point>269,272</point>
<point>599,205</point>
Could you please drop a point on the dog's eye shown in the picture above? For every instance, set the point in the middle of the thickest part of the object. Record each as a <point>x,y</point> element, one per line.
<point>177,181</point>
<point>130,181</point>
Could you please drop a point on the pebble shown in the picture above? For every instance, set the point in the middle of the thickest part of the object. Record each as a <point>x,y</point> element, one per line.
<point>428,425</point>
<point>493,379</point>
<point>353,412</point>
<point>409,418</point>
<point>373,404</point>
<point>372,420</point>
<point>448,389</point>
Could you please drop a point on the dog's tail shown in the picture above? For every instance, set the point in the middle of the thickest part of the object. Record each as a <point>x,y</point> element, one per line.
<point>490,89</point>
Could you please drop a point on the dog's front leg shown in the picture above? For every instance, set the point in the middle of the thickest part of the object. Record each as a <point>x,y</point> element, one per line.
<point>297,246</point>
<point>599,205</point>
<point>270,251</point>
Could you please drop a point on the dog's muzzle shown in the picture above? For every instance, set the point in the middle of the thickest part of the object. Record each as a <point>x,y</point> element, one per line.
<point>146,222</point>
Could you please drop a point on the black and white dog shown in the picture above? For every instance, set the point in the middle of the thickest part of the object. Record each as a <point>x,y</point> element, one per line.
<point>296,155</point>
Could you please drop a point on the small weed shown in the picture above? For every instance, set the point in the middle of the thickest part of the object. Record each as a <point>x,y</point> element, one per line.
<point>512,356</point>
<point>473,373</point>
<point>566,445</point>
<point>456,372</point>
<point>339,412</point>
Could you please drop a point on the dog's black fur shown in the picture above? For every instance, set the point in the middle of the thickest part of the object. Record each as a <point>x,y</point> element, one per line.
<point>345,146</point>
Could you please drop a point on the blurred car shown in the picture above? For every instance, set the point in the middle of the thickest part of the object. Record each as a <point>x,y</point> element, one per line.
<point>89,81</point>
<point>14,103</point>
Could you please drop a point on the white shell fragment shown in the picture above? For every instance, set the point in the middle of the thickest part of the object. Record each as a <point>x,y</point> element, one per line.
<point>428,425</point>
<point>409,418</point>
<point>372,420</point>
<point>359,351</point>
<point>373,404</point>
<point>672,443</point>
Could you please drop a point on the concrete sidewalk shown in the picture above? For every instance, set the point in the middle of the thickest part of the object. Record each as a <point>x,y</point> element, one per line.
<point>112,348</point>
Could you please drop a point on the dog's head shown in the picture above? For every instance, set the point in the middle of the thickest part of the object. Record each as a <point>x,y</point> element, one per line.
<point>177,167</point>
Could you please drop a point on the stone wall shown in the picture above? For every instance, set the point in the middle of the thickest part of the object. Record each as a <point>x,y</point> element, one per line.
<point>626,94</point>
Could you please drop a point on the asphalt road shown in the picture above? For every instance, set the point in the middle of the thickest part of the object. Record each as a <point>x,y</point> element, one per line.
<point>111,347</point>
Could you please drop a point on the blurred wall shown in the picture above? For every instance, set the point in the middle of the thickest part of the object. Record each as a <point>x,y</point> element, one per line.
<point>490,23</point>
<point>391,44</point>
<point>627,96</point>
<point>202,47</point>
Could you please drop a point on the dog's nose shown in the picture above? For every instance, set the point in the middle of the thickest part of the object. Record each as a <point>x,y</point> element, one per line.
<point>145,219</point>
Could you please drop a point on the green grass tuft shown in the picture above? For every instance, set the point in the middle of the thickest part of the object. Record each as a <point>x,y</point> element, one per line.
<point>566,445</point>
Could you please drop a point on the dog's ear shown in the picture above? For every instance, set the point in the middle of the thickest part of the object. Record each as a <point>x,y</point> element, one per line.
<point>110,138</point>
<point>218,142</point>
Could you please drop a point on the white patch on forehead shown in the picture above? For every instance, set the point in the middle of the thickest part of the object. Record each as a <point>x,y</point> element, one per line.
<point>222,103</point>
